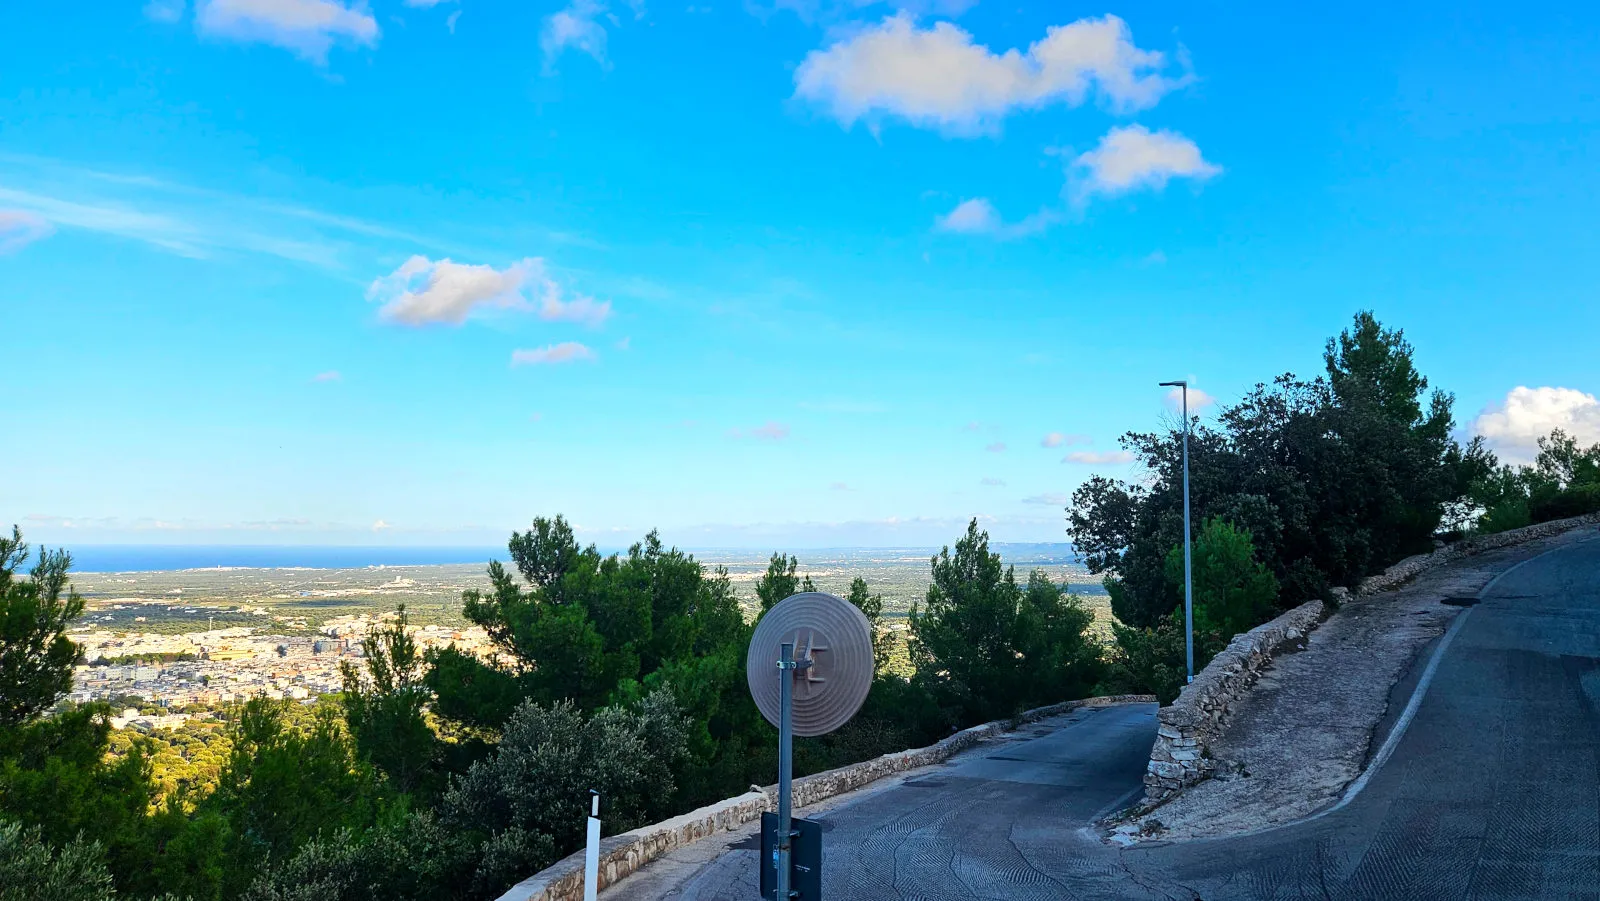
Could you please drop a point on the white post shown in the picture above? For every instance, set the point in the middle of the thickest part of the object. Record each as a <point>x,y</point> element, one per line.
<point>591,854</point>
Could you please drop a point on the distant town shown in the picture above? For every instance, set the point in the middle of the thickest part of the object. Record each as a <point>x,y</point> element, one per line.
<point>220,666</point>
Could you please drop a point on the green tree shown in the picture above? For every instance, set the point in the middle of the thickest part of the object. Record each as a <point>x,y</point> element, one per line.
<point>35,654</point>
<point>1233,592</point>
<point>871,606</point>
<point>779,581</point>
<point>282,787</point>
<point>1334,479</point>
<point>986,647</point>
<point>385,710</point>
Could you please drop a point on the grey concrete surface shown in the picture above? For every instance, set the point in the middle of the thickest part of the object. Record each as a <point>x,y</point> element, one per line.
<point>1493,792</point>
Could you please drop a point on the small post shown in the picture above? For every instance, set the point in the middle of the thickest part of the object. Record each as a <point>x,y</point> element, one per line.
<point>785,765</point>
<point>591,854</point>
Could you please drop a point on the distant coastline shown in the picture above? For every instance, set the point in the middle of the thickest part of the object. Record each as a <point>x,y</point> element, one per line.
<point>120,558</point>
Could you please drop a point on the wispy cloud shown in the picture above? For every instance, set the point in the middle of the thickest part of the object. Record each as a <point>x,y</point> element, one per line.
<point>554,354</point>
<point>1051,500</point>
<point>309,28</point>
<point>189,222</point>
<point>443,292</point>
<point>996,448</point>
<point>331,375</point>
<point>839,486</point>
<point>992,482</point>
<point>978,216</point>
<point>1098,458</point>
<point>164,10</point>
<point>1058,439</point>
<point>767,431</point>
<point>19,228</point>
<point>581,26</point>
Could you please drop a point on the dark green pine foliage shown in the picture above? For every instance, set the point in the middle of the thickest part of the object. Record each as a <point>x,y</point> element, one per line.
<point>988,648</point>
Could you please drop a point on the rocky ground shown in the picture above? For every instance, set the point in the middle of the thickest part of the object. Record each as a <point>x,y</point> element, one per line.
<point>1313,720</point>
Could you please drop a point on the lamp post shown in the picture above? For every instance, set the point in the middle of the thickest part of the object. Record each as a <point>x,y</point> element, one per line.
<point>1188,582</point>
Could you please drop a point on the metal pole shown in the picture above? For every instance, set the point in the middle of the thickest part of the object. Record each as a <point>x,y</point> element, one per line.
<point>591,854</point>
<point>1188,582</point>
<point>785,764</point>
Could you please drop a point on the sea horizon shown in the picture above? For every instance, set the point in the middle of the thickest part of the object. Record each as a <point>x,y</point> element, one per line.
<point>119,558</point>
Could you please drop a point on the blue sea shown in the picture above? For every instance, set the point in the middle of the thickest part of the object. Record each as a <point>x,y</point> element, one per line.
<point>153,557</point>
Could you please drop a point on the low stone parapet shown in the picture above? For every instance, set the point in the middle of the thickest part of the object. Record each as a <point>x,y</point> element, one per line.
<point>1187,727</point>
<point>621,855</point>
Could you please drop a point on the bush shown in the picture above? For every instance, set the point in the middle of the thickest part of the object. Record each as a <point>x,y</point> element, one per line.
<point>1233,592</point>
<point>529,800</point>
<point>1577,500</point>
<point>31,870</point>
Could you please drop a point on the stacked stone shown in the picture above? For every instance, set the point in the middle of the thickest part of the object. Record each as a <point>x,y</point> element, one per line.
<point>1180,756</point>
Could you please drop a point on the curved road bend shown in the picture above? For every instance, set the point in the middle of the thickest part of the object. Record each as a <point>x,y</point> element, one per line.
<point>1492,792</point>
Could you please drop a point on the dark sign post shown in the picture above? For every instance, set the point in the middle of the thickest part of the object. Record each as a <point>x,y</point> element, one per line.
<point>804,694</point>
<point>805,858</point>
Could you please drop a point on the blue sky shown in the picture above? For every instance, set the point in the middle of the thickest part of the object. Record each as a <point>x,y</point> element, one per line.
<point>811,274</point>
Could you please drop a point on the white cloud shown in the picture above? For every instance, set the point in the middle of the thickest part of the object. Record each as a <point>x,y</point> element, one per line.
<point>1133,157</point>
<point>428,292</point>
<point>996,448</point>
<point>979,217</point>
<point>381,526</point>
<point>1053,500</point>
<point>974,216</point>
<point>1057,439</point>
<point>1198,400</point>
<point>938,77</point>
<point>577,26</point>
<point>1514,425</point>
<point>1098,458</point>
<point>165,10</point>
<point>767,431</point>
<point>425,4</point>
<point>992,482</point>
<point>307,27</point>
<point>451,20</point>
<point>838,486</point>
<point>565,352</point>
<point>972,426</point>
<point>19,228</point>
<point>331,375</point>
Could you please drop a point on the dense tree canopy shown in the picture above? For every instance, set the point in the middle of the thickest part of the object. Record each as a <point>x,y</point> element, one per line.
<point>1332,478</point>
<point>988,647</point>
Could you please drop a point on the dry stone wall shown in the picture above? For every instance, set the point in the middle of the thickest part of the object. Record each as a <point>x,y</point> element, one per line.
<point>1187,727</point>
<point>1181,754</point>
<point>622,854</point>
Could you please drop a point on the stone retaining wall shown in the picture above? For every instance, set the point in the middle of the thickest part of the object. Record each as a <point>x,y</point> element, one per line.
<point>1187,727</point>
<point>1180,756</point>
<point>1411,567</point>
<point>621,855</point>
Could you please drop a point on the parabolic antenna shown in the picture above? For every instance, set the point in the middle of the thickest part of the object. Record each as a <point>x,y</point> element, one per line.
<point>836,638</point>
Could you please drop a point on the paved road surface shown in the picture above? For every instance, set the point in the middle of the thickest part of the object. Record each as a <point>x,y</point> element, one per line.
<point>1493,792</point>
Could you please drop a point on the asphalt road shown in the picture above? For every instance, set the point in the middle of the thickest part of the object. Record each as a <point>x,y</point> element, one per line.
<point>1492,791</point>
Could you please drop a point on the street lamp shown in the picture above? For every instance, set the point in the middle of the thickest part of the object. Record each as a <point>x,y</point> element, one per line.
<point>1188,582</point>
